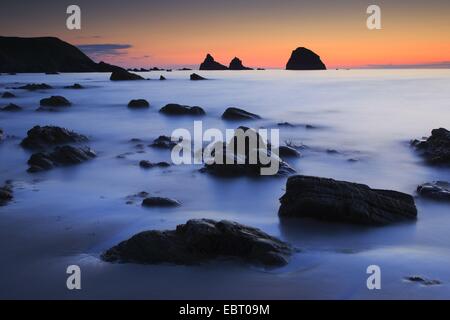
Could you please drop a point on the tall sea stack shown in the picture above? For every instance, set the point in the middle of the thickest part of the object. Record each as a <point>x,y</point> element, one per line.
<point>304,59</point>
<point>210,64</point>
<point>236,64</point>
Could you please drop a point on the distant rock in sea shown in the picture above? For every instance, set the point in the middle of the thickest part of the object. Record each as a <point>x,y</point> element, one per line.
<point>210,64</point>
<point>65,155</point>
<point>76,86</point>
<point>304,59</point>
<point>11,108</point>
<point>35,86</point>
<point>177,109</point>
<point>41,137</point>
<point>233,113</point>
<point>199,241</point>
<point>123,75</point>
<point>45,54</point>
<point>55,101</point>
<point>161,77</point>
<point>138,104</point>
<point>160,202</point>
<point>341,201</point>
<point>8,95</point>
<point>236,64</point>
<point>195,77</point>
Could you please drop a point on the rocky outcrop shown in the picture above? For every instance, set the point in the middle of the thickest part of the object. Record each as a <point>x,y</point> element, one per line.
<point>42,137</point>
<point>61,156</point>
<point>422,280</point>
<point>304,59</point>
<point>249,160</point>
<point>163,142</point>
<point>438,190</point>
<point>233,113</point>
<point>162,78</point>
<point>210,64</point>
<point>11,108</point>
<point>288,152</point>
<point>177,109</point>
<point>436,148</point>
<point>332,200</point>
<point>160,202</point>
<point>2,135</point>
<point>196,77</point>
<point>147,164</point>
<point>200,241</point>
<point>75,86</point>
<point>236,64</point>
<point>55,101</point>
<point>123,75</point>
<point>45,54</point>
<point>6,194</point>
<point>8,95</point>
<point>138,104</point>
<point>35,86</point>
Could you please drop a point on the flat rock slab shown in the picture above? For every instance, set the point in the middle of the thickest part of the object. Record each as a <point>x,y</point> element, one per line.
<point>201,240</point>
<point>65,155</point>
<point>332,200</point>
<point>178,109</point>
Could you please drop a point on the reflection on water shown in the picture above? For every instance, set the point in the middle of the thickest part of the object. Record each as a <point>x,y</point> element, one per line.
<point>367,117</point>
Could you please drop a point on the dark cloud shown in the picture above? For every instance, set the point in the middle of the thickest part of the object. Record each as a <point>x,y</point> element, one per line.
<point>107,49</point>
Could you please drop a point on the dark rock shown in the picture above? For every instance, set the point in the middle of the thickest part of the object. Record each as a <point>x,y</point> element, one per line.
<point>41,137</point>
<point>236,64</point>
<point>177,109</point>
<point>160,202</point>
<point>35,86</point>
<point>161,77</point>
<point>210,64</point>
<point>439,190</point>
<point>45,54</point>
<point>196,77</point>
<point>422,280</point>
<point>436,148</point>
<point>286,124</point>
<point>333,200</point>
<point>123,75</point>
<point>7,95</point>
<point>304,59</point>
<point>238,114</point>
<point>285,151</point>
<point>1,134</point>
<point>184,69</point>
<point>6,194</point>
<point>147,164</point>
<point>11,108</point>
<point>76,86</point>
<point>163,142</point>
<point>201,240</point>
<point>65,155</point>
<point>138,103</point>
<point>52,73</point>
<point>233,162</point>
<point>55,101</point>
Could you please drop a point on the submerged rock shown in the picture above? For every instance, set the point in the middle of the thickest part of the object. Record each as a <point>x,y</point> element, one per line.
<point>76,86</point>
<point>195,77</point>
<point>163,142</point>
<point>123,75</point>
<point>8,95</point>
<point>160,202</point>
<point>332,200</point>
<point>6,194</point>
<point>177,109</point>
<point>35,86</point>
<point>288,152</point>
<point>65,155</point>
<point>138,103</point>
<point>238,114</point>
<point>304,59</point>
<point>236,64</point>
<point>210,64</point>
<point>199,241</point>
<point>55,101</point>
<point>422,280</point>
<point>436,148</point>
<point>439,190</point>
<point>11,108</point>
<point>249,160</point>
<point>161,77</point>
<point>147,164</point>
<point>41,137</point>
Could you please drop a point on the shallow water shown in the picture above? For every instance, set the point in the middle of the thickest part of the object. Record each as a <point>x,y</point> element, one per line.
<point>70,215</point>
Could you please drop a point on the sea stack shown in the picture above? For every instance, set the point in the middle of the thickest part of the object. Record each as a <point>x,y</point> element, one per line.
<point>304,59</point>
<point>236,64</point>
<point>210,64</point>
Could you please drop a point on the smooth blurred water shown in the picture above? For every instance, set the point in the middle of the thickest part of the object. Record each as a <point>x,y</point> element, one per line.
<point>70,215</point>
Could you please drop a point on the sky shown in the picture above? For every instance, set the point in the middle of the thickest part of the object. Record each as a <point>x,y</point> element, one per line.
<point>262,33</point>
